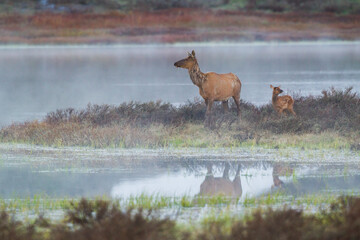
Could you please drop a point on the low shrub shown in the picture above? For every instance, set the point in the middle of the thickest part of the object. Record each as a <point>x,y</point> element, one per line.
<point>333,110</point>
<point>157,124</point>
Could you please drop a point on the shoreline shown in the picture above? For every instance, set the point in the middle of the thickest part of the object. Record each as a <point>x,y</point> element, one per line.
<point>182,44</point>
<point>255,153</point>
<point>175,26</point>
<point>198,145</point>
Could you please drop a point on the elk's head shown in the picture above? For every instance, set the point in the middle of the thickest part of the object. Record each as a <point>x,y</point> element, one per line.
<point>276,90</point>
<point>188,62</point>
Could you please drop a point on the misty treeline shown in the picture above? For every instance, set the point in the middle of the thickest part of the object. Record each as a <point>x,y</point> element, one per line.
<point>104,220</point>
<point>336,6</point>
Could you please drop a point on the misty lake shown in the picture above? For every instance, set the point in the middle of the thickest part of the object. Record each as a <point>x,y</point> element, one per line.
<point>37,80</point>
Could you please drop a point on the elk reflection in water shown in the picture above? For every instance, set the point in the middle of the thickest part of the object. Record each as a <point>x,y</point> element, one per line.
<point>213,186</point>
<point>281,170</point>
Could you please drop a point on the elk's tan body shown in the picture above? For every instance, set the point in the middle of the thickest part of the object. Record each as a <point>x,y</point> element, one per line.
<point>212,86</point>
<point>281,103</point>
<point>213,186</point>
<point>220,87</point>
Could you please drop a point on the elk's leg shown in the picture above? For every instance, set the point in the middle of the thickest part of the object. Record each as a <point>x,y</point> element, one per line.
<point>281,112</point>
<point>226,171</point>
<point>237,182</point>
<point>292,111</point>
<point>209,173</point>
<point>225,106</point>
<point>208,113</point>
<point>237,102</point>
<point>238,170</point>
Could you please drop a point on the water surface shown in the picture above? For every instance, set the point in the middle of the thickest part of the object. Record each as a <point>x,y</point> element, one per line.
<point>80,172</point>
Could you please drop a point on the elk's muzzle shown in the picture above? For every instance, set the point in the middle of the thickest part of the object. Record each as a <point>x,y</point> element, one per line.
<point>179,63</point>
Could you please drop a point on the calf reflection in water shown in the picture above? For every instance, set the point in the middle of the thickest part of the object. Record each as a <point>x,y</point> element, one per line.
<point>213,186</point>
<point>280,170</point>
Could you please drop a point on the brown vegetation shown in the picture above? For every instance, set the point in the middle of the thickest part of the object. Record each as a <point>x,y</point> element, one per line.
<point>161,124</point>
<point>174,25</point>
<point>103,220</point>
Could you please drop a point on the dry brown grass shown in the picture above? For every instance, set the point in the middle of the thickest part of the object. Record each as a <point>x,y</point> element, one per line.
<point>329,121</point>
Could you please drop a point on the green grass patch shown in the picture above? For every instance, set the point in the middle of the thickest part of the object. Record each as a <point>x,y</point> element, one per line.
<point>101,219</point>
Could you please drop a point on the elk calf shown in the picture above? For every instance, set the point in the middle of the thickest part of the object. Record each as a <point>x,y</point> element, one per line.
<point>283,102</point>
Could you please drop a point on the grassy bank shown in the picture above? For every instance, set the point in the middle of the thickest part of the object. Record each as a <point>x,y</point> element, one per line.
<point>328,121</point>
<point>104,220</point>
<point>43,204</point>
<point>336,6</point>
<point>169,21</point>
<point>173,25</point>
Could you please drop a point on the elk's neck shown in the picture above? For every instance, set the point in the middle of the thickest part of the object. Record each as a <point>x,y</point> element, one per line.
<point>196,76</point>
<point>274,98</point>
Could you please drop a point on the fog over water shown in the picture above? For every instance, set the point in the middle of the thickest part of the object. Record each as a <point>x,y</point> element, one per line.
<point>37,80</point>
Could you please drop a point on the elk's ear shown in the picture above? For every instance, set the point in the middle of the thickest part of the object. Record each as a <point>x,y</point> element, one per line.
<point>271,86</point>
<point>193,53</point>
<point>189,54</point>
<point>279,86</point>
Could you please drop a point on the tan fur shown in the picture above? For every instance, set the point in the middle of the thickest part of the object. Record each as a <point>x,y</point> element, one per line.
<point>281,103</point>
<point>213,186</point>
<point>212,86</point>
<point>220,87</point>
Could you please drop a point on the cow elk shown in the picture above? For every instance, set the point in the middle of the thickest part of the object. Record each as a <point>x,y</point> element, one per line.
<point>212,86</point>
<point>281,103</point>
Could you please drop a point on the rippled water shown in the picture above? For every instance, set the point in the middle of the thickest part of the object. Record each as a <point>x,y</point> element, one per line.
<point>36,80</point>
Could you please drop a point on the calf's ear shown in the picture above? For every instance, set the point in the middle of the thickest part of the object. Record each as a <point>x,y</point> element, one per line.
<point>271,86</point>
<point>193,53</point>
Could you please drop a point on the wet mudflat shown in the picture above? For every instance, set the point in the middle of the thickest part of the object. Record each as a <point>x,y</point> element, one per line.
<point>132,175</point>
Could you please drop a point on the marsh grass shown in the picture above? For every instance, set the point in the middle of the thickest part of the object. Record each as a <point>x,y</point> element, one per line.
<point>41,204</point>
<point>328,121</point>
<point>102,219</point>
<point>37,204</point>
